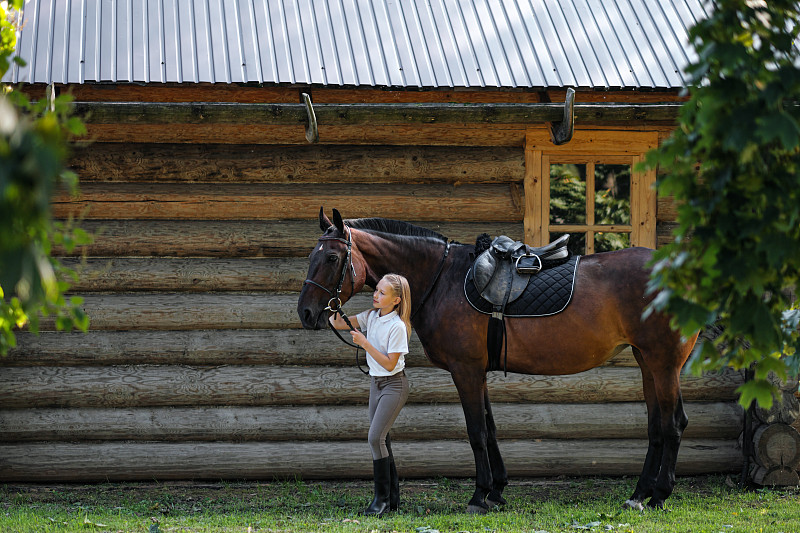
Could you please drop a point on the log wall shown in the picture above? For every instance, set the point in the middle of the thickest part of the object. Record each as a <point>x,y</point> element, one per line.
<point>196,367</point>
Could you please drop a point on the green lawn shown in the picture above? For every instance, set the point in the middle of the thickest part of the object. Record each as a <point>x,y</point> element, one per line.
<point>700,504</point>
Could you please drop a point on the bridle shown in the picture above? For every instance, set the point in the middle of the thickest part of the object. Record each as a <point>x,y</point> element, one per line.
<point>348,262</point>
<point>335,303</point>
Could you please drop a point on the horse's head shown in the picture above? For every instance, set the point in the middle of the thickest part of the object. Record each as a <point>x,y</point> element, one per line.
<point>331,278</point>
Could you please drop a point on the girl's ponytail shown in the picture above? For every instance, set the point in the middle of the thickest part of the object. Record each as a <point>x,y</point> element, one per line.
<point>400,287</point>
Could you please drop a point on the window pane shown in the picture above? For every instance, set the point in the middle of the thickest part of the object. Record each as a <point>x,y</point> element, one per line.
<point>612,197</point>
<point>606,242</point>
<point>576,244</point>
<point>568,194</point>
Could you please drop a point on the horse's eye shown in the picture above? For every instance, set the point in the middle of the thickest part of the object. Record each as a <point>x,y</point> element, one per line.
<point>333,258</point>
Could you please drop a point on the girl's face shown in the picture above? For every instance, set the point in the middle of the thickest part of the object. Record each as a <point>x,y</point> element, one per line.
<point>384,298</point>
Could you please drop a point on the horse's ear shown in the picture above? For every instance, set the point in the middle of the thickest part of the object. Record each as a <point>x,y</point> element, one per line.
<point>337,220</point>
<point>324,221</point>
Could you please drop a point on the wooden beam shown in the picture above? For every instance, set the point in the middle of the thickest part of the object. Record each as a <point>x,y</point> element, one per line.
<point>250,385</point>
<point>373,134</point>
<point>242,238</point>
<point>135,274</point>
<point>533,198</point>
<point>203,310</point>
<point>221,163</point>
<point>667,209</point>
<point>199,348</point>
<point>203,347</point>
<point>594,143</point>
<point>624,420</point>
<point>372,113</point>
<point>130,461</point>
<point>285,201</point>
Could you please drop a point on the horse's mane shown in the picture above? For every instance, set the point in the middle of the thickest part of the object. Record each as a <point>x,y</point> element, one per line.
<point>394,227</point>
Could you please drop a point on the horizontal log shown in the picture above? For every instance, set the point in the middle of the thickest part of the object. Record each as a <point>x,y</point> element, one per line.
<point>246,385</point>
<point>141,162</point>
<point>665,233</point>
<point>130,461</point>
<point>204,310</point>
<point>196,347</point>
<point>667,209</point>
<point>395,134</point>
<point>717,420</point>
<point>203,347</point>
<point>132,274</point>
<point>241,238</point>
<point>281,201</point>
<point>360,114</point>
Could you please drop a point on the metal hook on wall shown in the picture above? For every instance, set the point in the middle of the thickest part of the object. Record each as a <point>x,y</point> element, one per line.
<point>312,133</point>
<point>561,132</point>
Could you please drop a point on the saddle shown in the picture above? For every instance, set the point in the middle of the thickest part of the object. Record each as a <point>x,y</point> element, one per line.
<point>502,273</point>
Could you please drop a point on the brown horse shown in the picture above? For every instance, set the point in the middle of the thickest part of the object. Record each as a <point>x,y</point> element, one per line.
<point>604,315</point>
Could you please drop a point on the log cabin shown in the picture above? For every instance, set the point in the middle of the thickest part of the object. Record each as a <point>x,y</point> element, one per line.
<point>202,188</point>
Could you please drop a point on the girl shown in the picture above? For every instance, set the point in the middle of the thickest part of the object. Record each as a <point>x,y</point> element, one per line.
<point>388,328</point>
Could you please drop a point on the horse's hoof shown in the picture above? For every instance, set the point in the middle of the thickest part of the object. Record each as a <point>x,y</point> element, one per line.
<point>495,500</point>
<point>477,509</point>
<point>492,504</point>
<point>633,505</point>
<point>657,506</point>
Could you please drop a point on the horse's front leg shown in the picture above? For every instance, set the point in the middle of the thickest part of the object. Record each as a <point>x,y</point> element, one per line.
<point>499,474</point>
<point>471,384</point>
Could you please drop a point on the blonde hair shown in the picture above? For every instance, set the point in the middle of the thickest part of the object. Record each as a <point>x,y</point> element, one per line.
<point>399,285</point>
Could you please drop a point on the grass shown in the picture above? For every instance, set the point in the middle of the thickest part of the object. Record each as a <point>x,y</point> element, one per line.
<point>700,504</point>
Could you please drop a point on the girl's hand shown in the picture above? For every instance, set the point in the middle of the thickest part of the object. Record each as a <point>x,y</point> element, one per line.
<point>358,338</point>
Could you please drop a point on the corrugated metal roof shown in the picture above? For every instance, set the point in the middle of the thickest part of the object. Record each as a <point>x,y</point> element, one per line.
<point>401,43</point>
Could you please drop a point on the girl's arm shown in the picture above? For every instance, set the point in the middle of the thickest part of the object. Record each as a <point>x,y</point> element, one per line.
<point>339,322</point>
<point>387,361</point>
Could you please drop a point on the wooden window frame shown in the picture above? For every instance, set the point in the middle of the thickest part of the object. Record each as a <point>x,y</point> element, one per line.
<point>590,146</point>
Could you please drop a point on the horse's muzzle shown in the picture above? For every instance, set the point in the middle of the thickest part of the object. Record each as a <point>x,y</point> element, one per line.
<point>312,319</point>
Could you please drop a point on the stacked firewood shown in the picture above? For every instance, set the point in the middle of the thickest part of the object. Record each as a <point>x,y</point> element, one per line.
<point>772,441</point>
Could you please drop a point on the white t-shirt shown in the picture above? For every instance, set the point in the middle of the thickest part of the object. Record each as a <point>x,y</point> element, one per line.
<point>386,333</point>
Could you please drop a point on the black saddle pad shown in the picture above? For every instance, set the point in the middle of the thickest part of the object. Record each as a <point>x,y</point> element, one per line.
<point>548,292</point>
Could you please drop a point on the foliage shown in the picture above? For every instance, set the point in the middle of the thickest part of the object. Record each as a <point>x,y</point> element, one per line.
<point>568,194</point>
<point>33,140</point>
<point>733,168</point>
<point>611,201</point>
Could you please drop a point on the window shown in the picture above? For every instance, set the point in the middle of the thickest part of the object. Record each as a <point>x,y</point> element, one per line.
<point>590,189</point>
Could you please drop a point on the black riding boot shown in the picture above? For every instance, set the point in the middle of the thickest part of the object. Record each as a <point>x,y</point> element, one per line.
<point>394,486</point>
<point>381,471</point>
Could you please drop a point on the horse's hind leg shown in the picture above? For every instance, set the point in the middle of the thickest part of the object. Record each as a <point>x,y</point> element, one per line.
<point>652,463</point>
<point>499,474</point>
<point>673,422</point>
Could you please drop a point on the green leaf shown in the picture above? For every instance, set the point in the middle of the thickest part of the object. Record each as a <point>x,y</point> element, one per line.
<point>758,390</point>
<point>779,126</point>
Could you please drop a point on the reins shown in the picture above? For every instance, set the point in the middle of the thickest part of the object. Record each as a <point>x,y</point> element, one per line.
<point>335,295</point>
